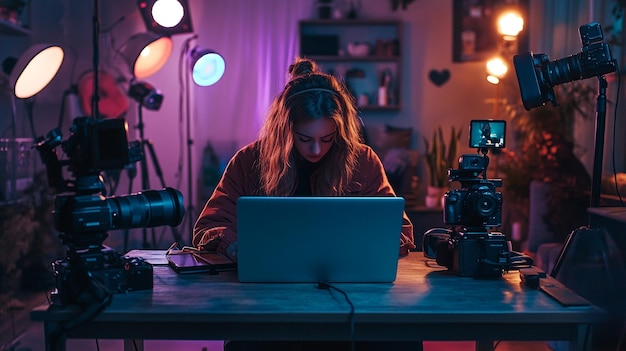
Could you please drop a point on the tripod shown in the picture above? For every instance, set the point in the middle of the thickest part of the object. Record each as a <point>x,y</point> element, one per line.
<point>145,180</point>
<point>592,230</point>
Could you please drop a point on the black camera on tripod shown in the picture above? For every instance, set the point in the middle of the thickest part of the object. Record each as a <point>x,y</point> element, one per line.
<point>83,214</point>
<point>537,75</point>
<point>476,203</point>
<point>469,247</point>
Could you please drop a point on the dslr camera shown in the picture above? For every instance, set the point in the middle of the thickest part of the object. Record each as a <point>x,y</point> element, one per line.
<point>537,75</point>
<point>83,215</point>
<point>470,247</point>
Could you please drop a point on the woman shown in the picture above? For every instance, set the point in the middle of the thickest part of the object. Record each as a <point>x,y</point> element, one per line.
<point>310,145</point>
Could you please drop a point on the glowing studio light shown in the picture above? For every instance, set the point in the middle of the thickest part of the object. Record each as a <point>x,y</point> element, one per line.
<point>168,13</point>
<point>146,53</point>
<point>35,69</point>
<point>207,67</point>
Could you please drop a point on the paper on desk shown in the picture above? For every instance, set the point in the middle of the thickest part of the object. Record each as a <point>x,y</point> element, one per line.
<point>154,257</point>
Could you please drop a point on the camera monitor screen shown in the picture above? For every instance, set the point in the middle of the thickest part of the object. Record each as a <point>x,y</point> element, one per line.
<point>487,133</point>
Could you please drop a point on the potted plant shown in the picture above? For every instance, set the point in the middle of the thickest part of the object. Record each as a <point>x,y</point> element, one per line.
<point>440,156</point>
<point>543,160</point>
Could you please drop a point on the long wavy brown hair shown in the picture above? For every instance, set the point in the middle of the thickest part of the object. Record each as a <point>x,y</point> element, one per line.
<point>309,95</point>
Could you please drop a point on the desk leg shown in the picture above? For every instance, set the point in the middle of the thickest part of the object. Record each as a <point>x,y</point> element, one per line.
<point>582,340</point>
<point>133,345</point>
<point>54,340</point>
<point>484,345</point>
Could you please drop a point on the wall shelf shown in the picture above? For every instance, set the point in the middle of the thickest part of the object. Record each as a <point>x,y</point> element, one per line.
<point>327,41</point>
<point>11,28</point>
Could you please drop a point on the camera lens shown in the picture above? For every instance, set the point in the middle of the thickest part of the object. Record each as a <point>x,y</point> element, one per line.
<point>482,203</point>
<point>564,70</point>
<point>149,208</point>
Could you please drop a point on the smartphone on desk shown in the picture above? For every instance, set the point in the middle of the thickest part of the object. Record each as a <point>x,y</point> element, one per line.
<point>200,261</point>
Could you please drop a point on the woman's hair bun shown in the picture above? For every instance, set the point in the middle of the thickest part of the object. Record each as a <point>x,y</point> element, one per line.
<point>302,67</point>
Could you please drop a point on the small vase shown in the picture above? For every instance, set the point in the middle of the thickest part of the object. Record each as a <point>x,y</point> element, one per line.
<point>434,196</point>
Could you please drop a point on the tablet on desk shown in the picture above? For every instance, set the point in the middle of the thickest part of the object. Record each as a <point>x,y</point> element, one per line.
<point>198,262</point>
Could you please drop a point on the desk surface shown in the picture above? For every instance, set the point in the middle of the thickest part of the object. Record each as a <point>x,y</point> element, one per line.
<point>615,213</point>
<point>424,303</point>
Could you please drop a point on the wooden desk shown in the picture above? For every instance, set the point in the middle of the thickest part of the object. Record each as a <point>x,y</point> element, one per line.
<point>423,304</point>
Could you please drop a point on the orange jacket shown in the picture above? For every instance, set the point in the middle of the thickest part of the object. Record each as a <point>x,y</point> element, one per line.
<point>216,227</point>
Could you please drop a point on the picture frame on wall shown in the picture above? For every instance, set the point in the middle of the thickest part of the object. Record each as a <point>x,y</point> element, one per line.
<point>475,32</point>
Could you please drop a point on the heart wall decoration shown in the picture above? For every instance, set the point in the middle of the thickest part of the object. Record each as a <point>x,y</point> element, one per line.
<point>439,78</point>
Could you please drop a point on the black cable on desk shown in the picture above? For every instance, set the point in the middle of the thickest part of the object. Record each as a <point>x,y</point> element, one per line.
<point>328,286</point>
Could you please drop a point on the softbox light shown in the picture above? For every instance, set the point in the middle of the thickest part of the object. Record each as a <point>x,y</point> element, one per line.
<point>166,17</point>
<point>35,68</point>
<point>146,53</point>
<point>207,66</point>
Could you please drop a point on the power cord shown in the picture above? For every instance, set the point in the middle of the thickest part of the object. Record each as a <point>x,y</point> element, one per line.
<point>328,286</point>
<point>510,260</point>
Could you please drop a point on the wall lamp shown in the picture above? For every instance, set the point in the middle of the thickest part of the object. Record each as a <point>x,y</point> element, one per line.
<point>35,68</point>
<point>166,17</point>
<point>510,24</point>
<point>207,66</point>
<point>496,69</point>
<point>146,53</point>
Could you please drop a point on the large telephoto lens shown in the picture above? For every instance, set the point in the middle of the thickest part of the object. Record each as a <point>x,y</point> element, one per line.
<point>149,208</point>
<point>564,70</point>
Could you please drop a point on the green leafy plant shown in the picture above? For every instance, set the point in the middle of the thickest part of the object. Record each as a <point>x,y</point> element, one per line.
<point>543,137</point>
<point>441,156</point>
<point>544,149</point>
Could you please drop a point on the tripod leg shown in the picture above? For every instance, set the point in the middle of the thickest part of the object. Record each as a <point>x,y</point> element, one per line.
<point>159,173</point>
<point>155,162</point>
<point>145,185</point>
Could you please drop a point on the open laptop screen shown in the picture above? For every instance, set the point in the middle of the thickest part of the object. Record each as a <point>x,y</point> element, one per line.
<point>313,239</point>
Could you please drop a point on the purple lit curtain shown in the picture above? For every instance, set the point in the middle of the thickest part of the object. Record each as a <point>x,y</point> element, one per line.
<point>258,40</point>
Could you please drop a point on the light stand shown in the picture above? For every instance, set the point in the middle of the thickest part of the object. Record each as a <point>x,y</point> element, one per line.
<point>190,207</point>
<point>207,68</point>
<point>145,176</point>
<point>590,262</point>
<point>596,178</point>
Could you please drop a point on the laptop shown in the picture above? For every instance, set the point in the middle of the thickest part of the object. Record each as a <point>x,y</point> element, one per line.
<point>318,239</point>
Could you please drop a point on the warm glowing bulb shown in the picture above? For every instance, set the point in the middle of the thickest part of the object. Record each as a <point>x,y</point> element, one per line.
<point>493,79</point>
<point>510,24</point>
<point>167,13</point>
<point>497,67</point>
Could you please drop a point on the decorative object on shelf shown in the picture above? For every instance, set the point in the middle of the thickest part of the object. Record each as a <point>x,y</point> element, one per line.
<point>354,8</point>
<point>440,157</point>
<point>387,47</point>
<point>324,9</point>
<point>439,78</point>
<point>434,196</point>
<point>396,3</point>
<point>358,49</point>
<point>10,10</point>
<point>383,88</point>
